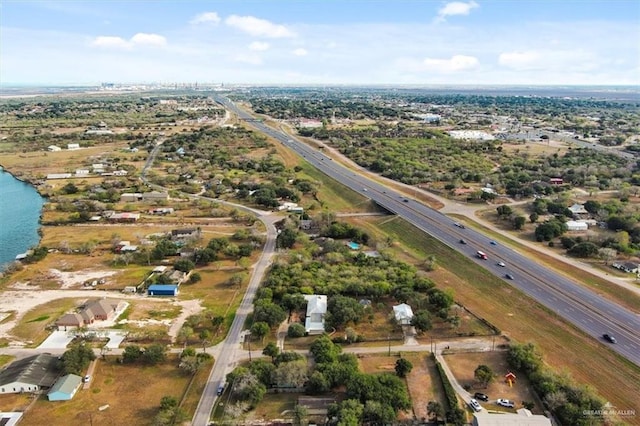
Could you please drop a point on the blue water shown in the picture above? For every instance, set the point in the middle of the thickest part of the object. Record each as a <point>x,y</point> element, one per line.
<point>353,245</point>
<point>20,208</point>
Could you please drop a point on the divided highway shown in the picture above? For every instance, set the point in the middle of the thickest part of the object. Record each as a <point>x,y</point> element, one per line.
<point>570,300</point>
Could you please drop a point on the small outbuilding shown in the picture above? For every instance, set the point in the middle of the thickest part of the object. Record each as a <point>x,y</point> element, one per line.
<point>162,290</point>
<point>65,388</point>
<point>574,225</point>
<point>403,314</point>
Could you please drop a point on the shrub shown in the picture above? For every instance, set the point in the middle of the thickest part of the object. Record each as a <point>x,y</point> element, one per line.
<point>296,330</point>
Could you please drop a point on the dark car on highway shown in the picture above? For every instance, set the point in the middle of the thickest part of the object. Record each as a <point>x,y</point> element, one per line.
<point>609,338</point>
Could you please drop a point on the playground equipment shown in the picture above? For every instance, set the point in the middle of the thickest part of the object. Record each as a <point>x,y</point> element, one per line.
<point>510,378</point>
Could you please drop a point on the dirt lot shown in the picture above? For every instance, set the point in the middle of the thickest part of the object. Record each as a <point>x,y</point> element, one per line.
<point>423,382</point>
<point>113,385</point>
<point>463,365</point>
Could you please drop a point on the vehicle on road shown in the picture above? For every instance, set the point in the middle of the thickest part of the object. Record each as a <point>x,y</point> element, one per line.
<point>86,379</point>
<point>481,255</point>
<point>463,242</point>
<point>505,403</point>
<point>364,189</point>
<point>609,338</point>
<point>475,405</point>
<point>508,276</point>
<point>501,264</point>
<point>481,396</point>
<point>220,390</point>
<point>493,243</point>
<point>459,225</point>
<point>405,200</point>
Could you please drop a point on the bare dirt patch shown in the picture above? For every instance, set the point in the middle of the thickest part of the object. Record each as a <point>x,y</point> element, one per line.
<point>463,365</point>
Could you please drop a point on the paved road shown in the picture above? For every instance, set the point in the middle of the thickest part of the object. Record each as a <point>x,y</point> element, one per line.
<point>226,357</point>
<point>570,300</point>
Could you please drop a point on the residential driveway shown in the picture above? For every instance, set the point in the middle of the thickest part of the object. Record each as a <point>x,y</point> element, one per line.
<point>57,340</point>
<point>115,338</point>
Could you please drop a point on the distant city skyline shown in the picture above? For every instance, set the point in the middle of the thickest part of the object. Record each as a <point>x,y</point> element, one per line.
<point>321,42</point>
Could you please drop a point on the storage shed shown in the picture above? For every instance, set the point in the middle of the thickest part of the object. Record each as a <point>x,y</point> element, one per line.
<point>162,290</point>
<point>65,388</point>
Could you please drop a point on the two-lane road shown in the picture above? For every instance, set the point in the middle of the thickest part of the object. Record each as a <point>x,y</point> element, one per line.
<point>570,300</point>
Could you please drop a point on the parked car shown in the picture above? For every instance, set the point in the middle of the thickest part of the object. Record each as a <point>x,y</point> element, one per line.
<point>220,390</point>
<point>609,338</point>
<point>481,396</point>
<point>86,379</point>
<point>475,406</point>
<point>505,403</point>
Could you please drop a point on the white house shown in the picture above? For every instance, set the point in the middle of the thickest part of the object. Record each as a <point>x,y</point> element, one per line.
<point>316,309</point>
<point>73,146</point>
<point>574,225</point>
<point>403,314</point>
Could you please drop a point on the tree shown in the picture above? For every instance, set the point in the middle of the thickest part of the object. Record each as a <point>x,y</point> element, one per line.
<point>342,310</point>
<point>260,329</point>
<point>292,302</point>
<point>324,350</point>
<point>296,330</point>
<point>533,217</point>
<point>291,374</point>
<point>518,222</point>
<point>317,383</point>
<point>195,277</point>
<point>607,254</point>
<point>271,350</point>
<point>286,238</point>
<point>584,249</point>
<point>131,353</point>
<point>184,265</point>
<point>378,413</point>
<point>403,367</point>
<point>504,211</point>
<point>154,354</point>
<point>524,357</point>
<point>76,359</point>
<point>484,375</point>
<point>300,415</point>
<point>421,321</point>
<point>269,312</point>
<point>434,410</point>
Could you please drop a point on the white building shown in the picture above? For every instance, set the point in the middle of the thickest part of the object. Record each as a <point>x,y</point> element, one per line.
<point>403,314</point>
<point>29,374</point>
<point>522,418</point>
<point>73,146</point>
<point>574,225</point>
<point>316,310</point>
<point>53,148</point>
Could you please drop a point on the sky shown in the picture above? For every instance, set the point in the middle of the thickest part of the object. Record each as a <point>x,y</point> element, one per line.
<point>321,42</point>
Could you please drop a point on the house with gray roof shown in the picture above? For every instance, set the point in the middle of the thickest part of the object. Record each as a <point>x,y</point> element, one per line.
<point>30,374</point>
<point>316,310</point>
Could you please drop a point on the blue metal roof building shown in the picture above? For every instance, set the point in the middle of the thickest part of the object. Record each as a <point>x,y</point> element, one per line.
<point>162,290</point>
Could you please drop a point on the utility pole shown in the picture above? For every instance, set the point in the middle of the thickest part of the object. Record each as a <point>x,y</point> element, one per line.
<point>389,340</point>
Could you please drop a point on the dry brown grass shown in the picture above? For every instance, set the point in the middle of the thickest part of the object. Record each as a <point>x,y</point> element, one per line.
<point>31,328</point>
<point>464,364</point>
<point>132,392</point>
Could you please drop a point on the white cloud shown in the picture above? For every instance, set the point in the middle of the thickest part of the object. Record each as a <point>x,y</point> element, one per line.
<point>248,59</point>
<point>455,8</point>
<point>519,60</point>
<point>455,64</point>
<point>206,18</point>
<point>259,46</point>
<point>258,27</point>
<point>300,52</point>
<point>148,39</point>
<point>111,42</point>
<point>139,39</point>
